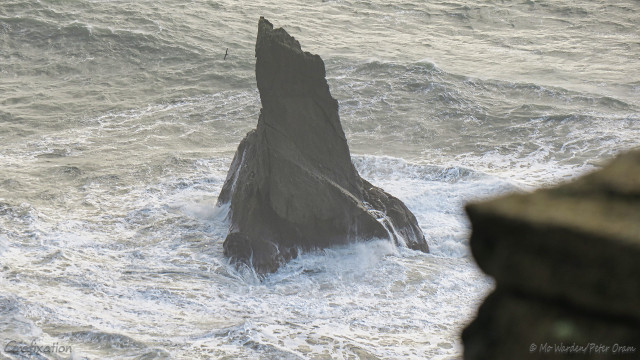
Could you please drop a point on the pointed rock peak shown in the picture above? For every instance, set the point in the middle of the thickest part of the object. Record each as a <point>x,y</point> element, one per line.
<point>267,36</point>
<point>282,67</point>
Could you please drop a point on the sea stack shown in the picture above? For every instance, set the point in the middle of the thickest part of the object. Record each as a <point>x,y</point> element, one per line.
<point>291,185</point>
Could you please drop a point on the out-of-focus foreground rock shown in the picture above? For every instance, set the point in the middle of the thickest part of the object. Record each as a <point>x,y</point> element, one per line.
<point>566,262</point>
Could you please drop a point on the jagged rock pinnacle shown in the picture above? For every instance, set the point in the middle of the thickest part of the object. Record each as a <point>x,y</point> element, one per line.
<point>292,185</point>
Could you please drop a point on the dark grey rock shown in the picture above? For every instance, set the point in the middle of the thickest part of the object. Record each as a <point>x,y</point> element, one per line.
<point>558,255</point>
<point>579,242</point>
<point>292,185</point>
<point>511,326</point>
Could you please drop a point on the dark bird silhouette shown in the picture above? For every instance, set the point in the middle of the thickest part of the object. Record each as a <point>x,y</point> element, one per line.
<point>225,54</point>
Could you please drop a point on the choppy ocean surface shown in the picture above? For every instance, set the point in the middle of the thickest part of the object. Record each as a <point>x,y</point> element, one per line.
<point>118,121</point>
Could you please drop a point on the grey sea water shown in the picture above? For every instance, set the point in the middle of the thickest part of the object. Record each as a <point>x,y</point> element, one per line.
<point>118,121</point>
